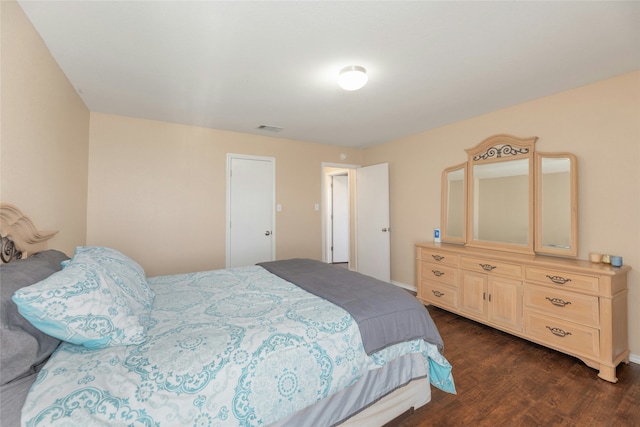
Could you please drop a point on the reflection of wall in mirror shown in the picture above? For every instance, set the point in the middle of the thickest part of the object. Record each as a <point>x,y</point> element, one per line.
<point>455,209</point>
<point>503,209</point>
<point>556,210</point>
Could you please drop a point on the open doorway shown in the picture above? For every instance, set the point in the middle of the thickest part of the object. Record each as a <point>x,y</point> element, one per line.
<point>338,214</point>
<point>338,219</point>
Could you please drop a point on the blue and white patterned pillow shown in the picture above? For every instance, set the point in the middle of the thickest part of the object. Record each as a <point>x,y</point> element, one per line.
<point>129,274</point>
<point>100,299</point>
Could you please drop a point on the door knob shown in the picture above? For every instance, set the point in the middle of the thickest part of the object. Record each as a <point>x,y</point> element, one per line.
<point>267,233</point>
<point>384,230</point>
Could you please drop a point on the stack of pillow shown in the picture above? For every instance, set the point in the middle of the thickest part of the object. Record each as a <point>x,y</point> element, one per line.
<point>99,299</point>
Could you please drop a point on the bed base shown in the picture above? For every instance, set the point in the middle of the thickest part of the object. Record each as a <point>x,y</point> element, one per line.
<point>392,408</point>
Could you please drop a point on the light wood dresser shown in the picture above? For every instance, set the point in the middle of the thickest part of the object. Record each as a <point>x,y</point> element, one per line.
<point>573,306</point>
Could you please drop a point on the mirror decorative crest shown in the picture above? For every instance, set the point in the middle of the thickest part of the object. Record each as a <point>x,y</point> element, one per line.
<point>512,198</point>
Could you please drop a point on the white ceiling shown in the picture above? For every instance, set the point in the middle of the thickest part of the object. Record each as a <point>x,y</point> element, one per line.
<point>237,65</point>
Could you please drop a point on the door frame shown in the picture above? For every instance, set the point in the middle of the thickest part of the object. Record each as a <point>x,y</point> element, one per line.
<point>323,210</point>
<point>272,160</point>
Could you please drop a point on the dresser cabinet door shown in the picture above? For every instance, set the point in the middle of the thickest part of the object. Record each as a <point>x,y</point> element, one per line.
<point>473,290</point>
<point>505,302</point>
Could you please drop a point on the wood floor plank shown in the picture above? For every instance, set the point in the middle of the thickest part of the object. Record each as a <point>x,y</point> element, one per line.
<point>503,380</point>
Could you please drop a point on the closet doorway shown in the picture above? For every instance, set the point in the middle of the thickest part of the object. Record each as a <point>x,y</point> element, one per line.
<point>338,226</point>
<point>338,219</point>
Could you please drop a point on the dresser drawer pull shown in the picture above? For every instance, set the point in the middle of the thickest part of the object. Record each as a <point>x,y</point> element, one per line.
<point>558,302</point>
<point>437,273</point>
<point>487,267</point>
<point>558,332</point>
<point>437,257</point>
<point>437,293</point>
<point>558,280</point>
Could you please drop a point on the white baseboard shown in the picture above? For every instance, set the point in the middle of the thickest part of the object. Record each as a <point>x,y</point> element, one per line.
<point>404,286</point>
<point>632,357</point>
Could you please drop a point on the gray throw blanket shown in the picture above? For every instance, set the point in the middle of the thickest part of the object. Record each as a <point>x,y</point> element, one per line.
<point>385,313</point>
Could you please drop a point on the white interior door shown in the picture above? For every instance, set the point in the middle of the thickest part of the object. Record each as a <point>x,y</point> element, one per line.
<point>250,210</point>
<point>372,221</point>
<point>340,218</point>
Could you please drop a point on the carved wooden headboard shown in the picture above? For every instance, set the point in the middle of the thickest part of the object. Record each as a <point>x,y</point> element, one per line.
<point>20,238</point>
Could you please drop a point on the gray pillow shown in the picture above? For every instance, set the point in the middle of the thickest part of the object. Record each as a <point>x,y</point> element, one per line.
<point>23,346</point>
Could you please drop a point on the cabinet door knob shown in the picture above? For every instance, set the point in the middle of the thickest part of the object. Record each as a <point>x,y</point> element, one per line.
<point>437,293</point>
<point>437,257</point>
<point>437,273</point>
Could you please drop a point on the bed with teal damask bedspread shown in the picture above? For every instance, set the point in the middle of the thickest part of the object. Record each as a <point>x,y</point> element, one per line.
<point>237,347</point>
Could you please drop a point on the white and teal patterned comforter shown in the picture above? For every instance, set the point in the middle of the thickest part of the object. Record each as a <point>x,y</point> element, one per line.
<point>237,347</point>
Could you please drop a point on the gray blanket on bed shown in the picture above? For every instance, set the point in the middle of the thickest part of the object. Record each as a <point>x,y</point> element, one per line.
<point>385,313</point>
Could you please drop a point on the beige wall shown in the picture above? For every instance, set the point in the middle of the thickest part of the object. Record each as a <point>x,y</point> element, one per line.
<point>600,123</point>
<point>44,134</point>
<point>157,191</point>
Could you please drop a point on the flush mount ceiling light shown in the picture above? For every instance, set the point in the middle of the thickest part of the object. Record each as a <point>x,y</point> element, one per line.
<point>352,77</point>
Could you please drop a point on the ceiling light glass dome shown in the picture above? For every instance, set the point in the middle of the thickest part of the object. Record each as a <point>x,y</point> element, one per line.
<point>352,77</point>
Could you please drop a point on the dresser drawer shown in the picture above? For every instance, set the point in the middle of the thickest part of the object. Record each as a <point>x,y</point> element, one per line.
<point>440,273</point>
<point>489,266</point>
<point>583,309</point>
<point>567,336</point>
<point>562,279</point>
<point>439,294</point>
<point>434,255</point>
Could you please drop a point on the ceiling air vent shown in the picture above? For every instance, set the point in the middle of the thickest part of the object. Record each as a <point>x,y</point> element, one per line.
<point>269,128</point>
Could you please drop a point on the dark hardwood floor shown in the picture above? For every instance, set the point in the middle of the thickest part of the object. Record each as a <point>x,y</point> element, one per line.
<point>503,380</point>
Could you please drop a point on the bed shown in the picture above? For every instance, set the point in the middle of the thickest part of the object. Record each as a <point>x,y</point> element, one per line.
<point>292,342</point>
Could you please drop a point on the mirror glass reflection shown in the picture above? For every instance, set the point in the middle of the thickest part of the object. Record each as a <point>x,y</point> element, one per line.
<point>555,203</point>
<point>501,202</point>
<point>455,206</point>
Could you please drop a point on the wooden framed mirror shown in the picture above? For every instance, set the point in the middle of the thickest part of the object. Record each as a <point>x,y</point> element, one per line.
<point>512,198</point>
<point>453,228</point>
<point>500,194</point>
<point>556,204</point>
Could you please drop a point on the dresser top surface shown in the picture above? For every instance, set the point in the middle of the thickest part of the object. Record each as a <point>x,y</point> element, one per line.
<point>533,260</point>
